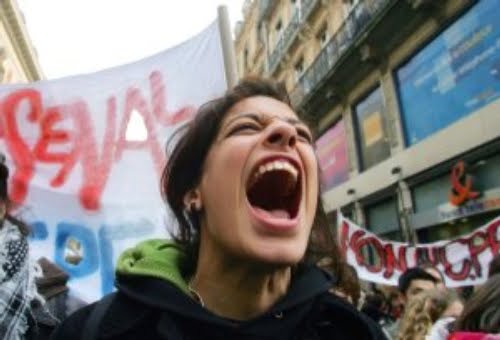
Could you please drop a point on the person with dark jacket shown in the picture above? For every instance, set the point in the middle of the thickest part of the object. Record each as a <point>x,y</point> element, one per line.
<point>243,184</point>
<point>58,302</point>
<point>18,291</point>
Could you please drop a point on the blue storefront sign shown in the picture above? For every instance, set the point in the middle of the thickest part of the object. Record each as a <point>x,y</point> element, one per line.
<point>454,75</point>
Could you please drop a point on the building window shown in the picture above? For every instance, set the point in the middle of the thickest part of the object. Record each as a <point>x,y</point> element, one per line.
<point>383,218</point>
<point>279,26</point>
<point>278,31</point>
<point>298,69</point>
<point>455,75</point>
<point>331,149</point>
<point>370,122</point>
<point>245,58</point>
<point>323,37</point>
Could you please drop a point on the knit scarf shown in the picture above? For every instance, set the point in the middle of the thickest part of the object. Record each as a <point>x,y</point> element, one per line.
<point>17,283</point>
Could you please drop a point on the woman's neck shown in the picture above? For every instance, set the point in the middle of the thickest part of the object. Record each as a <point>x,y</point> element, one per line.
<point>237,291</point>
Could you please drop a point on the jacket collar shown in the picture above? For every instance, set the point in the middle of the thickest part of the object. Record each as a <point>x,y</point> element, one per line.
<point>308,282</point>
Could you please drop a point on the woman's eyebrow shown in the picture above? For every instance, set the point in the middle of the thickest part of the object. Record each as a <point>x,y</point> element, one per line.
<point>260,118</point>
<point>249,115</point>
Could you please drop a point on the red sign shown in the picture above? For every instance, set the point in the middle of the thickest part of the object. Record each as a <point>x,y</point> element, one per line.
<point>461,185</point>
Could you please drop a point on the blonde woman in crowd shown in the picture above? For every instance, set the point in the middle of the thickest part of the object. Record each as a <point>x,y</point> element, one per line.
<point>424,310</point>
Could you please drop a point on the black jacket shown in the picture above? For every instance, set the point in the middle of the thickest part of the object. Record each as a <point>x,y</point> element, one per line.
<point>149,308</point>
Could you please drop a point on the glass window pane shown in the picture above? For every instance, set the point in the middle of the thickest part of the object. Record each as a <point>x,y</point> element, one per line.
<point>331,149</point>
<point>456,74</point>
<point>370,122</point>
<point>382,217</point>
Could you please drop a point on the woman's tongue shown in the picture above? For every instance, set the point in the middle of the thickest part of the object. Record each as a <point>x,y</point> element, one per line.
<point>275,213</point>
<point>270,195</point>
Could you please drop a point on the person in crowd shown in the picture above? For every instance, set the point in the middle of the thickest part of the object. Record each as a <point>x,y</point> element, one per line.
<point>423,310</point>
<point>18,292</point>
<point>243,183</point>
<point>59,303</point>
<point>377,307</point>
<point>436,273</point>
<point>415,280</point>
<point>412,282</point>
<point>494,266</point>
<point>396,304</point>
<point>455,305</point>
<point>481,313</point>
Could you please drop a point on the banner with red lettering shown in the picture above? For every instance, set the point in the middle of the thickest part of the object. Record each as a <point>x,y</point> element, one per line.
<point>85,154</point>
<point>463,261</point>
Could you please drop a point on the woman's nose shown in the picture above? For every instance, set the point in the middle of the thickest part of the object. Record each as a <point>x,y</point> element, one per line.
<point>281,134</point>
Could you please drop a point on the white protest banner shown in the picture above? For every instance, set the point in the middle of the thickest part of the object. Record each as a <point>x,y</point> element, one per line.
<point>85,154</point>
<point>463,261</point>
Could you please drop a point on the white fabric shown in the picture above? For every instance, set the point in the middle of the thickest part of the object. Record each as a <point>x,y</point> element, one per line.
<point>85,154</point>
<point>439,330</point>
<point>463,261</point>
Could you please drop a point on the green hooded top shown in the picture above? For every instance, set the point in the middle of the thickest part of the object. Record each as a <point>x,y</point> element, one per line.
<point>157,258</point>
<point>155,303</point>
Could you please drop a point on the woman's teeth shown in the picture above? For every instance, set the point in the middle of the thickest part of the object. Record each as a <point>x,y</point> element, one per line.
<point>276,165</point>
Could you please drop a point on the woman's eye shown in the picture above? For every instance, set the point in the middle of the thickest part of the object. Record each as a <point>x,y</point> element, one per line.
<point>248,127</point>
<point>305,135</point>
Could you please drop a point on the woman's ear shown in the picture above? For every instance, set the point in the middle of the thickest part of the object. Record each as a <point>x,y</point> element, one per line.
<point>192,201</point>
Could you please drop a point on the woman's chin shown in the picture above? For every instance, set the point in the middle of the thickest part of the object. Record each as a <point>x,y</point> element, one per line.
<point>277,256</point>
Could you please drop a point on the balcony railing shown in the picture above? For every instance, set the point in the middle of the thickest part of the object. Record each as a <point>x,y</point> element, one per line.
<point>284,41</point>
<point>353,26</point>
<point>290,33</point>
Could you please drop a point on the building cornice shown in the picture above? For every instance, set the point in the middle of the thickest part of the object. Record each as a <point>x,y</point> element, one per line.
<point>9,15</point>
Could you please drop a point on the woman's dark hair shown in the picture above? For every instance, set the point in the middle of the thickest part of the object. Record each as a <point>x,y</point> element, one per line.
<point>184,168</point>
<point>481,312</point>
<point>4,199</point>
<point>375,306</point>
<point>349,282</point>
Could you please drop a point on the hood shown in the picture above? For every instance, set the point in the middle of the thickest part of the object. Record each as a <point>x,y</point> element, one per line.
<point>150,273</point>
<point>160,259</point>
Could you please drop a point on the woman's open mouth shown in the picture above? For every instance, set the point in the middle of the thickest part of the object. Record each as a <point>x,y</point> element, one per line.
<point>274,191</point>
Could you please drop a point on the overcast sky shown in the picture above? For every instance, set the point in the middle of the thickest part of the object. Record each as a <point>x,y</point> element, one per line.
<point>82,36</point>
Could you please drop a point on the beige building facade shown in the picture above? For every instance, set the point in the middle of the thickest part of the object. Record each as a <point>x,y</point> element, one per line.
<point>404,97</point>
<point>18,59</point>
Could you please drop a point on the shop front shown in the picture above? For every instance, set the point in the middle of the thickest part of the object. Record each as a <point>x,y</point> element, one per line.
<point>457,202</point>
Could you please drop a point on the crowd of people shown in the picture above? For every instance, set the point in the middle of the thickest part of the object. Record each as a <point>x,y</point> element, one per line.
<point>253,257</point>
<point>424,308</point>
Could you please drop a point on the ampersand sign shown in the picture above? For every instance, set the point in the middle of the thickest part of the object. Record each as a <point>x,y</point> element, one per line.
<point>461,183</point>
